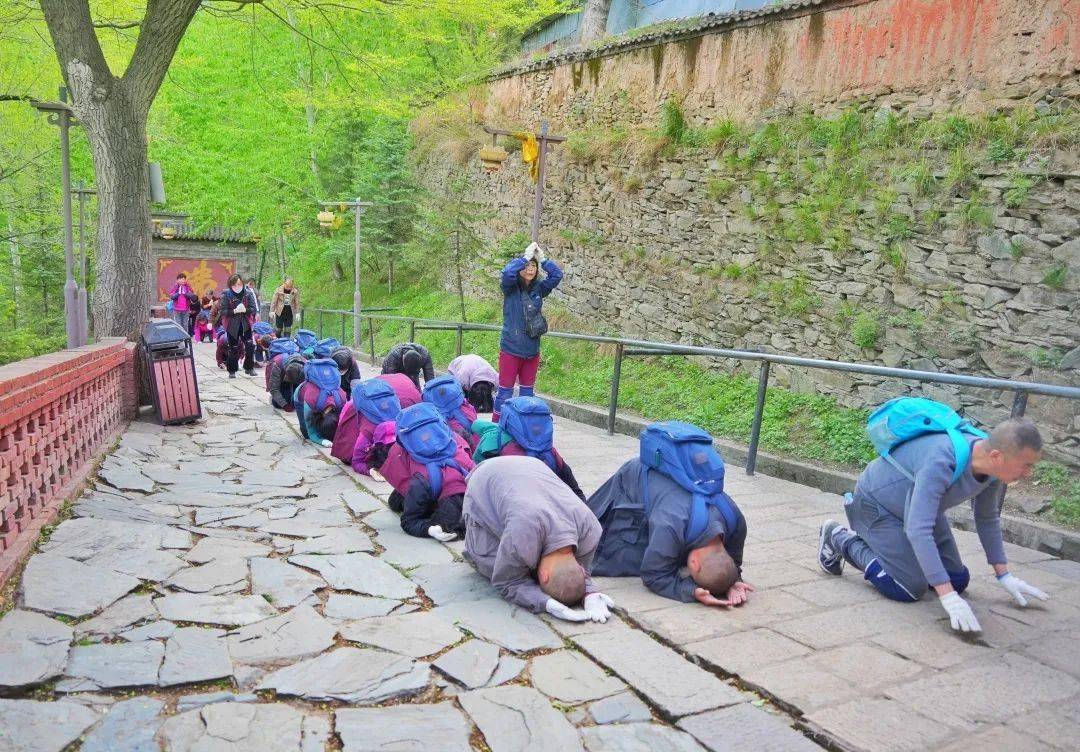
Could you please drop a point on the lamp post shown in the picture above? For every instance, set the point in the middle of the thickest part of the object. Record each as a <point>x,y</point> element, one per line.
<point>59,113</point>
<point>82,312</point>
<point>326,220</point>
<point>543,139</point>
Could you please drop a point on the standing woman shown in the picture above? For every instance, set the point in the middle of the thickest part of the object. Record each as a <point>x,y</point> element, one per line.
<point>238,316</point>
<point>523,321</point>
<point>285,307</point>
<point>180,295</point>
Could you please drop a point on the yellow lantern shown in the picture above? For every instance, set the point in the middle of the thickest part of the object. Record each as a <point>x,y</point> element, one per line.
<point>493,157</point>
<point>326,218</point>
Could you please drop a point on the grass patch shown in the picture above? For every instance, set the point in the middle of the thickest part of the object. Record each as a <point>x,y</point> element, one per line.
<point>1065,491</point>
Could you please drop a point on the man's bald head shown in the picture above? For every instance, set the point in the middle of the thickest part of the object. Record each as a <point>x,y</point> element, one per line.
<point>1010,453</point>
<point>562,578</point>
<point>1014,435</point>
<point>712,568</point>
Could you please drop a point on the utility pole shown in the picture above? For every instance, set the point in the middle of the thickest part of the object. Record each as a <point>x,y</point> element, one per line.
<point>358,208</point>
<point>543,139</point>
<point>82,296</point>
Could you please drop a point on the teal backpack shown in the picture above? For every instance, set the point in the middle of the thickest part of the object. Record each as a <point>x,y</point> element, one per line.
<point>906,418</point>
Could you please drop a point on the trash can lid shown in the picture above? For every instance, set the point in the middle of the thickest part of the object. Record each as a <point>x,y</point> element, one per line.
<point>162,331</point>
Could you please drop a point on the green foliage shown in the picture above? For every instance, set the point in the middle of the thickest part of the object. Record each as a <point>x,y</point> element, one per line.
<point>1065,490</point>
<point>1017,192</point>
<point>977,213</point>
<point>794,296</point>
<point>719,188</point>
<point>672,121</point>
<point>865,330</point>
<point>894,254</point>
<point>1055,278</point>
<point>898,227</point>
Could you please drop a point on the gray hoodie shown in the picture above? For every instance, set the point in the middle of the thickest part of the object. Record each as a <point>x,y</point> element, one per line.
<point>931,460</point>
<point>516,511</point>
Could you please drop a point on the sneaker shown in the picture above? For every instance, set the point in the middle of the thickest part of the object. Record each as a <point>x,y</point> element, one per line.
<point>830,557</point>
<point>249,371</point>
<point>232,374</point>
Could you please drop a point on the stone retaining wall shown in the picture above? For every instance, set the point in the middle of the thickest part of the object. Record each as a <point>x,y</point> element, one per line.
<point>56,412</point>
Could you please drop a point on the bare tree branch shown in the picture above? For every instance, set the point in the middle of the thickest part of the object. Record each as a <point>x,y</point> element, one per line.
<point>117,24</point>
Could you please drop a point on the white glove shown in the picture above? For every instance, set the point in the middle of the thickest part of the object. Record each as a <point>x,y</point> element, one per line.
<point>960,614</point>
<point>240,309</point>
<point>597,605</point>
<point>530,252</point>
<point>327,443</point>
<point>559,611</point>
<point>541,257</point>
<point>436,532</point>
<point>1018,589</point>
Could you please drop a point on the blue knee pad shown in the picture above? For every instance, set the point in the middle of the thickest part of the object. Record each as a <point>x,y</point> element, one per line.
<point>504,393</point>
<point>525,391</point>
<point>886,585</point>
<point>959,580</point>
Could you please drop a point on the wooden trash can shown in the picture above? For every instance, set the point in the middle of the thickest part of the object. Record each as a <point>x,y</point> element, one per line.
<point>170,364</point>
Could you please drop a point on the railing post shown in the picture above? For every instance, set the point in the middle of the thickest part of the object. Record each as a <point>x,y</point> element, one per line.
<point>759,412</point>
<point>459,340</point>
<point>301,324</point>
<point>320,323</point>
<point>613,401</point>
<point>371,338</point>
<point>412,330</point>
<point>1019,407</point>
<point>343,327</point>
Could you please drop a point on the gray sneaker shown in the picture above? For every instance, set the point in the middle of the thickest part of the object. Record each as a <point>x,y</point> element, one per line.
<point>830,557</point>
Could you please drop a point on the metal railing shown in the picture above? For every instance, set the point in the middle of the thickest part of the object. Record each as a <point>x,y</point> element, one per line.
<point>625,348</point>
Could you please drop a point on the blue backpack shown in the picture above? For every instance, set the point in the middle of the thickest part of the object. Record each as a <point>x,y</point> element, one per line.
<point>426,436</point>
<point>323,373</point>
<point>906,418</point>
<point>261,329</point>
<point>283,346</point>
<point>685,453</point>
<point>376,401</point>
<point>528,421</point>
<point>324,347</point>
<point>305,339</point>
<point>445,394</point>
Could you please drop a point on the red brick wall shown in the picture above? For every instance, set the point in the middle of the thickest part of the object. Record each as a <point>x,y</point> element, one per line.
<point>56,412</point>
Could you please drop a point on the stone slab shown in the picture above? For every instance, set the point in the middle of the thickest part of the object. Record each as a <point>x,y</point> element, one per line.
<point>129,726</point>
<point>495,620</point>
<point>670,682</point>
<point>624,707</point>
<point>638,737</point>
<point>360,502</point>
<point>299,633</point>
<point>146,564</point>
<point>360,573</point>
<point>155,630</point>
<point>59,585</point>
<point>217,577</point>
<point>403,728</point>
<point>337,541</point>
<point>195,654</point>
<point>119,616</point>
<point>219,610</point>
<point>415,635</point>
<point>515,718</point>
<point>209,549</point>
<point>472,663</point>
<point>125,664</point>
<point>745,728</point>
<point>881,724</point>
<point>286,585</point>
<point>33,649</point>
<point>236,727</point>
<point>571,678</point>
<point>31,726</point>
<point>83,537</point>
<point>347,607</point>
<point>451,583</point>
<point>743,651</point>
<point>351,675</point>
<point>509,668</point>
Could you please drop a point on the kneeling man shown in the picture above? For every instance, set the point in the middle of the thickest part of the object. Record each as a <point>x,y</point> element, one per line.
<point>900,538</point>
<point>533,538</point>
<point>667,510</point>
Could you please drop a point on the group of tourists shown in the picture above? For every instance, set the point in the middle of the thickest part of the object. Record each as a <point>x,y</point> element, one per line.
<point>664,515</point>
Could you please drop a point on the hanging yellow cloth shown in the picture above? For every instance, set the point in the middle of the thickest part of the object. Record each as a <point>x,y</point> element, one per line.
<point>530,152</point>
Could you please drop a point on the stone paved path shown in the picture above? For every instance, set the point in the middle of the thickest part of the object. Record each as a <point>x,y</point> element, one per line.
<point>227,587</point>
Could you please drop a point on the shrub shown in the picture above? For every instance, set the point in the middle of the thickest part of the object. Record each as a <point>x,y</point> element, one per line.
<point>865,330</point>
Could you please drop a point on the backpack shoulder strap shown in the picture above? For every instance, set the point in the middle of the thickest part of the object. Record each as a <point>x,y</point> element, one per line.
<point>899,468</point>
<point>645,501</point>
<point>961,453</point>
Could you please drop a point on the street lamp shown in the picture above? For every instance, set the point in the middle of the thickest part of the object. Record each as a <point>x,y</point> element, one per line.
<point>493,159</point>
<point>81,311</point>
<point>59,113</point>
<point>358,207</point>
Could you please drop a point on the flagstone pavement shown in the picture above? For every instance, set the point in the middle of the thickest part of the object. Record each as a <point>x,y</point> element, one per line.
<point>224,586</point>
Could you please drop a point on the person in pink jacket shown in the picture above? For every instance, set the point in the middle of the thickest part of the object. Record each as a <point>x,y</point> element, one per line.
<point>179,295</point>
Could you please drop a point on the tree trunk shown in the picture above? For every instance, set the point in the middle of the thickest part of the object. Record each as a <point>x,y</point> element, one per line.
<point>125,275</point>
<point>594,21</point>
